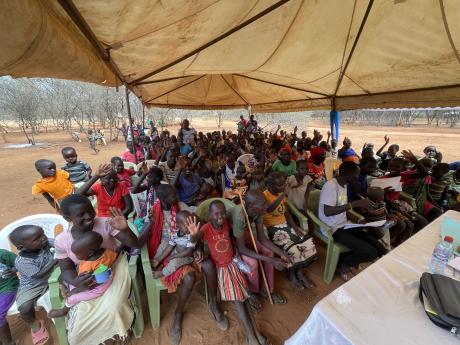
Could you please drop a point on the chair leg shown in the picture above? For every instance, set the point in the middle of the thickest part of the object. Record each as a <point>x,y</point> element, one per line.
<point>138,327</point>
<point>61,330</point>
<point>154,306</point>
<point>332,258</point>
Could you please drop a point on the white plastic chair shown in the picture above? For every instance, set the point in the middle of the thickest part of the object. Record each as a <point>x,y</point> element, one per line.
<point>129,165</point>
<point>52,224</point>
<point>150,163</point>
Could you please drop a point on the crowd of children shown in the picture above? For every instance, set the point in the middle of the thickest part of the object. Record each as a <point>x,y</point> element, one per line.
<point>260,174</point>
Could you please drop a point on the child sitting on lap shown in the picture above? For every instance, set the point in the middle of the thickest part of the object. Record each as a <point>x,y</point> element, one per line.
<point>54,185</point>
<point>79,171</point>
<point>179,251</point>
<point>35,264</point>
<point>238,185</point>
<point>92,258</point>
<point>124,175</point>
<point>232,282</point>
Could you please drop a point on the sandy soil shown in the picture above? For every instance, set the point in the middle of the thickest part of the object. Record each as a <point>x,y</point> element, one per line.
<point>277,322</point>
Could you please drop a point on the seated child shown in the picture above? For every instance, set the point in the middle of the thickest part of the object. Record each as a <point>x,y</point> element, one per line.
<point>109,193</point>
<point>238,185</point>
<point>124,175</point>
<point>179,251</point>
<point>54,185</point>
<point>298,186</point>
<point>128,155</point>
<point>439,185</point>
<point>316,167</point>
<point>453,193</point>
<point>9,283</point>
<point>79,171</point>
<point>231,281</point>
<point>92,257</point>
<point>35,263</point>
<point>285,164</point>
<point>258,178</point>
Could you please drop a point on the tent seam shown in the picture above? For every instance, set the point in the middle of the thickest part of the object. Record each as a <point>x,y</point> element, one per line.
<point>446,26</point>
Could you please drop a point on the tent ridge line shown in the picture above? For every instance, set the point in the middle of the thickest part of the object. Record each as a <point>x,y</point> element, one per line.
<point>282,85</point>
<point>76,17</point>
<point>162,80</point>
<point>348,34</point>
<point>355,43</point>
<point>446,26</point>
<point>237,93</point>
<point>176,88</point>
<point>214,41</point>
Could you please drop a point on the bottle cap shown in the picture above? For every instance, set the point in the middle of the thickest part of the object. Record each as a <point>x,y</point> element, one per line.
<point>448,239</point>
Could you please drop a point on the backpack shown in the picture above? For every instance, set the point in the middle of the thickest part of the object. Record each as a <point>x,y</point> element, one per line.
<point>440,297</point>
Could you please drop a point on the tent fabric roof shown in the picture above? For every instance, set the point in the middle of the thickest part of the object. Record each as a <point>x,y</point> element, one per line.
<point>274,55</point>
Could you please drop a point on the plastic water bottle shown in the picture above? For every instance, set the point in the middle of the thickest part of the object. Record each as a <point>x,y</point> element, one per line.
<point>243,266</point>
<point>441,255</point>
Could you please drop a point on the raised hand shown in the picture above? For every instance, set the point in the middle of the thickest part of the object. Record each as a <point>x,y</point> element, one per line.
<point>118,220</point>
<point>193,226</point>
<point>295,129</point>
<point>144,168</point>
<point>181,162</point>
<point>408,155</point>
<point>387,139</point>
<point>103,170</point>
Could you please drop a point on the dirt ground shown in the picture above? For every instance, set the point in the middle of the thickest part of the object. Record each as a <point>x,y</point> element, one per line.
<point>277,322</point>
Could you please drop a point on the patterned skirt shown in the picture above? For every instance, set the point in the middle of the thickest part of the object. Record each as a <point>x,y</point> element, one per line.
<point>232,283</point>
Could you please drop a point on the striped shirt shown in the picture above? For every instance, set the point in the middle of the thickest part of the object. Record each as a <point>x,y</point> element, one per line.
<point>34,268</point>
<point>437,188</point>
<point>78,172</point>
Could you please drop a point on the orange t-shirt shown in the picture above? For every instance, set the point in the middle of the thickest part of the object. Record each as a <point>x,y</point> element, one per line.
<point>276,217</point>
<point>108,258</point>
<point>58,186</point>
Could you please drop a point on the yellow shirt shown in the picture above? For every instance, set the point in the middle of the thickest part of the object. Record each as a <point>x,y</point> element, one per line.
<point>277,216</point>
<point>58,186</point>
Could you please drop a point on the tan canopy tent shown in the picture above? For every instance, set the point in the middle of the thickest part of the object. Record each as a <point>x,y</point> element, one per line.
<point>273,55</point>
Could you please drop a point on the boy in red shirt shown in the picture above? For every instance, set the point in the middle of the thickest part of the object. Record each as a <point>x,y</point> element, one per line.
<point>124,175</point>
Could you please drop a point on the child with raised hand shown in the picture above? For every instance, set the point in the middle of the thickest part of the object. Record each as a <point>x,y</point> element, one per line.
<point>35,263</point>
<point>109,193</point>
<point>9,283</point>
<point>94,260</point>
<point>79,171</point>
<point>298,186</point>
<point>346,153</point>
<point>231,281</point>
<point>238,185</point>
<point>179,251</point>
<point>54,185</point>
<point>124,175</point>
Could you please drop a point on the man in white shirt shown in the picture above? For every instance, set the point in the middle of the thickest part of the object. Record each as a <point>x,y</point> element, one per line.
<point>333,207</point>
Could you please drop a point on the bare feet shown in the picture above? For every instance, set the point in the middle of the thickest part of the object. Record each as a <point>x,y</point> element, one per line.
<point>304,279</point>
<point>294,281</point>
<point>54,313</point>
<point>175,334</point>
<point>221,319</point>
<point>254,303</point>
<point>276,297</point>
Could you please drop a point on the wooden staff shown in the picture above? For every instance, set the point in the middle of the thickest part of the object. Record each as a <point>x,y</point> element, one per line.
<point>256,250</point>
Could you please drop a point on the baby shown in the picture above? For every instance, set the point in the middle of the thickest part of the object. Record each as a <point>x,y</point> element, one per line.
<point>93,260</point>
<point>378,212</point>
<point>179,251</point>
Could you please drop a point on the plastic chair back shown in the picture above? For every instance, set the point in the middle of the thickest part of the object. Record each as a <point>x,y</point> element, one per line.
<point>129,165</point>
<point>313,201</point>
<point>202,210</point>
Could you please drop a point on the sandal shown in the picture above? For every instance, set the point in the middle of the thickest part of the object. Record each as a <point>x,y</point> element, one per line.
<point>40,337</point>
<point>276,297</point>
<point>254,303</point>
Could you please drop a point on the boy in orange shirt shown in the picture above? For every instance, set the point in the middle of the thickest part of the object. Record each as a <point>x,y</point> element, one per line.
<point>54,185</point>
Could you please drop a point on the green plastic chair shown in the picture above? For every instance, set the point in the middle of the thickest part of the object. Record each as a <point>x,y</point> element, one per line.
<point>334,249</point>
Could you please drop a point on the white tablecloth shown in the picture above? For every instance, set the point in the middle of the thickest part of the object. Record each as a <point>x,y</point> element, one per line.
<point>381,304</point>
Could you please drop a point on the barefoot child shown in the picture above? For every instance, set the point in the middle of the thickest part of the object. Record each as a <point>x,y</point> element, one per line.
<point>298,186</point>
<point>79,171</point>
<point>35,264</point>
<point>231,281</point>
<point>54,184</point>
<point>109,193</point>
<point>179,251</point>
<point>92,258</point>
<point>9,283</point>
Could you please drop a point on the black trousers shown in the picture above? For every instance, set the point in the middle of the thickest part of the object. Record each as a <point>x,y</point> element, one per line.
<point>363,246</point>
